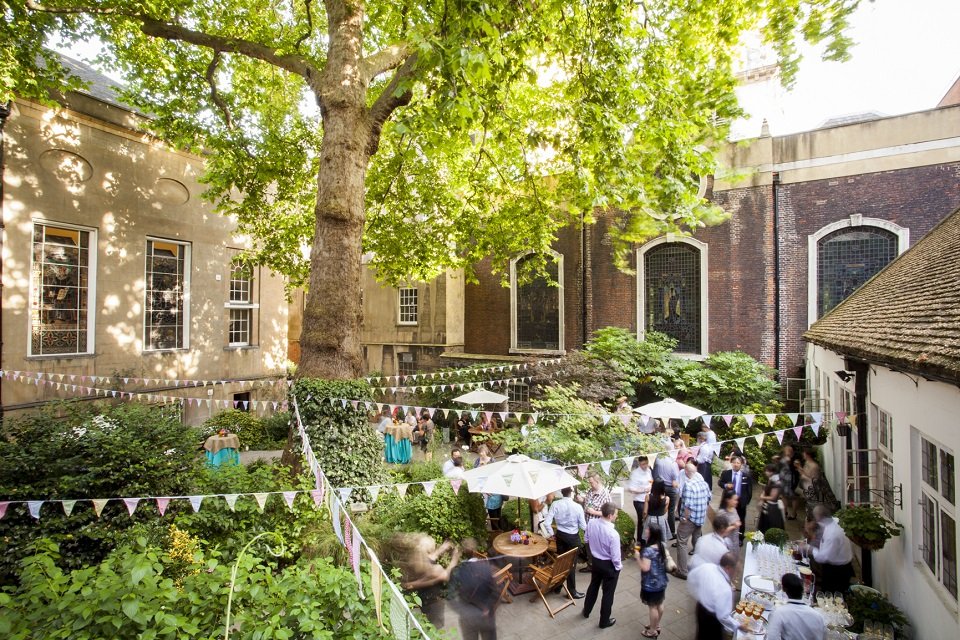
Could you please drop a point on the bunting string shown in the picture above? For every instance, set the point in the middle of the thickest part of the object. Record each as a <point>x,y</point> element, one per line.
<point>176,382</point>
<point>443,375</point>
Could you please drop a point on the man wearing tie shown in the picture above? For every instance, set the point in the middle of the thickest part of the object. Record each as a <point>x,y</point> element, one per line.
<point>738,480</point>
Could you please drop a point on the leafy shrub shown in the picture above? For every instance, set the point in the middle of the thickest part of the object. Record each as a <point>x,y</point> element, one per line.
<point>421,471</point>
<point>637,360</point>
<point>72,451</point>
<point>442,515</point>
<point>626,528</point>
<point>875,607</point>
<point>277,427</point>
<point>726,382</point>
<point>254,432</point>
<point>347,447</point>
<point>776,536</point>
<point>130,595</point>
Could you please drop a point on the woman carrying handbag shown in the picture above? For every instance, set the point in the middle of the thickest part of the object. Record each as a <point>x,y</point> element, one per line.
<point>653,562</point>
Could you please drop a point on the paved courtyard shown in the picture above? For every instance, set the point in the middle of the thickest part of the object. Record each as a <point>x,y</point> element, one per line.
<point>526,620</point>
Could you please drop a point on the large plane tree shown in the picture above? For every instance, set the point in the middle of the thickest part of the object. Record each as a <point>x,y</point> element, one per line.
<point>430,133</point>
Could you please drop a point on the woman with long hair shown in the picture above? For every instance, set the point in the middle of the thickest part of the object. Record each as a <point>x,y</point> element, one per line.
<point>770,514</point>
<point>657,506</point>
<point>728,505</point>
<point>653,578</point>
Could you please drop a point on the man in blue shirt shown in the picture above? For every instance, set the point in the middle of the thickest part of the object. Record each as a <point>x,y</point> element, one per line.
<point>604,544</point>
<point>568,517</point>
<point>665,468</point>
<point>696,498</point>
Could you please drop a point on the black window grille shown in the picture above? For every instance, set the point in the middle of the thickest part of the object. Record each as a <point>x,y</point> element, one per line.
<point>672,284</point>
<point>846,259</point>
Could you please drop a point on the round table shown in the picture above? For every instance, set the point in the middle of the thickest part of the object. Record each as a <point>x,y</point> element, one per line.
<point>397,447</point>
<point>486,433</point>
<point>221,450</point>
<point>538,546</point>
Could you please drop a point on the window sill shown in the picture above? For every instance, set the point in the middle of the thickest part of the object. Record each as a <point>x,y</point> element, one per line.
<point>148,352</point>
<point>949,603</point>
<point>60,356</point>
<point>408,324</point>
<point>540,352</point>
<point>241,347</point>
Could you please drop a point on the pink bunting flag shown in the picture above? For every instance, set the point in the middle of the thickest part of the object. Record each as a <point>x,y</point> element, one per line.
<point>841,415</point>
<point>317,496</point>
<point>582,469</point>
<point>162,505</point>
<point>455,484</point>
<point>798,431</point>
<point>780,436</point>
<point>34,507</point>
<point>195,502</point>
<point>625,418</point>
<point>131,504</point>
<point>728,418</point>
<point>694,451</point>
<point>289,497</point>
<point>3,509</point>
<point>99,504</point>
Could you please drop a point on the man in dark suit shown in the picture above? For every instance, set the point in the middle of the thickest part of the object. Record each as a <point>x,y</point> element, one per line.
<point>738,480</point>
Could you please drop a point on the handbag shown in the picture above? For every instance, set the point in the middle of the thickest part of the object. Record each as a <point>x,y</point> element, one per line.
<point>668,560</point>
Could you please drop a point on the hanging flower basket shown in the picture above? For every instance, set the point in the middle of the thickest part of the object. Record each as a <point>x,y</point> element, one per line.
<point>843,429</point>
<point>863,543</point>
<point>866,526</point>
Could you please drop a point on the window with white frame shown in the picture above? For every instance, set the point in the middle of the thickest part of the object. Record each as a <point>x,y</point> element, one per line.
<point>518,395</point>
<point>882,426</point>
<point>536,303</point>
<point>409,296</point>
<point>672,291</point>
<point>937,512</point>
<point>62,275</point>
<point>241,305</point>
<point>167,296</point>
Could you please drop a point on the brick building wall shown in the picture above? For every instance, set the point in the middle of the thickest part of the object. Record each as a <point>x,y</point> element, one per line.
<point>916,198</point>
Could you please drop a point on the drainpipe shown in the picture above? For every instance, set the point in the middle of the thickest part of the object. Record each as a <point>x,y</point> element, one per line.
<point>4,114</point>
<point>586,297</point>
<point>862,371</point>
<point>776,272</point>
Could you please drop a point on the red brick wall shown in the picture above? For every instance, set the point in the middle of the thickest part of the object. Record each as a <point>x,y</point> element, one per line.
<point>916,198</point>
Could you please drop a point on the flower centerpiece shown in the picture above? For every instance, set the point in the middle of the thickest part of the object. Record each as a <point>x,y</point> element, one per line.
<point>867,526</point>
<point>755,538</point>
<point>776,536</point>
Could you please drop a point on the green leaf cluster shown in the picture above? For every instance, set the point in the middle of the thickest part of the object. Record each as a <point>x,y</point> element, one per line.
<point>867,525</point>
<point>131,594</point>
<point>347,447</point>
<point>70,451</point>
<point>866,605</point>
<point>257,433</point>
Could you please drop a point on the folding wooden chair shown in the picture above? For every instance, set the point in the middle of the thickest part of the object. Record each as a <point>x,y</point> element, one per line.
<point>503,578</point>
<point>553,576</point>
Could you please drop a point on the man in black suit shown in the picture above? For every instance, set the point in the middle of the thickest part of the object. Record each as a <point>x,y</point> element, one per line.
<point>738,480</point>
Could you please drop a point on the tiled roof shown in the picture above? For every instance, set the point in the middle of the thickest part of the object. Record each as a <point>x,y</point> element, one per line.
<point>907,316</point>
<point>98,85</point>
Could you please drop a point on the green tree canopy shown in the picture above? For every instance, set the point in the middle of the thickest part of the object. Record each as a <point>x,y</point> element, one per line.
<point>484,126</point>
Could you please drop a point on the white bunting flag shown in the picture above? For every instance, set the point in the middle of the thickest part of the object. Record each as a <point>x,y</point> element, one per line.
<point>740,443</point>
<point>402,489</point>
<point>195,502</point>
<point>34,507</point>
<point>582,469</point>
<point>749,417</point>
<point>261,499</point>
<point>771,418</point>
<point>605,465</point>
<point>759,439</point>
<point>289,497</point>
<point>231,499</point>
<point>428,487</point>
<point>345,494</point>
<point>374,493</point>
<point>131,504</point>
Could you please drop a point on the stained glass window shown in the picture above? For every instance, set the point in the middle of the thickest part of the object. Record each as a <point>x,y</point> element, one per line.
<point>60,290</point>
<point>166,288</point>
<point>848,258</point>
<point>671,274</point>
<point>538,310</point>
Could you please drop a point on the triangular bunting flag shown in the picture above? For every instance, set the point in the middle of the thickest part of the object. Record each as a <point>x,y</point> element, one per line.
<point>99,504</point>
<point>582,469</point>
<point>628,462</point>
<point>3,509</point>
<point>68,506</point>
<point>345,494</point>
<point>162,505</point>
<point>605,418</point>
<point>399,624</point>
<point>261,499</point>
<point>749,417</point>
<point>374,493</point>
<point>231,499</point>
<point>337,525</point>
<point>728,419</point>
<point>797,431</point>
<point>455,485</point>
<point>605,465</point>
<point>317,496</point>
<point>195,502</point>
<point>759,439</point>
<point>376,586</point>
<point>34,507</point>
<point>780,436</point>
<point>740,443</point>
<point>652,458</point>
<point>793,417</point>
<point>428,487</point>
<point>131,504</point>
<point>289,497</point>
<point>771,418</point>
<point>402,489</point>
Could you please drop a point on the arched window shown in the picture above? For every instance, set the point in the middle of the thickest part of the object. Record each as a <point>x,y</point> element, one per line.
<point>536,307</point>
<point>846,254</point>
<point>672,291</point>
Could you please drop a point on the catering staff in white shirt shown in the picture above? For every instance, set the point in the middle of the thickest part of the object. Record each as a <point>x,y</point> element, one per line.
<point>710,586</point>
<point>640,484</point>
<point>832,551</point>
<point>711,548</point>
<point>796,620</point>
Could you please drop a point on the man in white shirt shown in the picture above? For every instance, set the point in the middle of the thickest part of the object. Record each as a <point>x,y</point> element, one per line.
<point>640,483</point>
<point>711,548</point>
<point>568,517</point>
<point>832,551</point>
<point>710,586</point>
<point>449,464</point>
<point>706,439</point>
<point>795,620</point>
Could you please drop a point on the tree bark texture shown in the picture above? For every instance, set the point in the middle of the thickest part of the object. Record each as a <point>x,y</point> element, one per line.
<point>330,338</point>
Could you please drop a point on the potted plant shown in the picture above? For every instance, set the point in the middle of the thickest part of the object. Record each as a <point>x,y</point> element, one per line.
<point>843,428</point>
<point>776,536</point>
<point>866,526</point>
<point>755,538</point>
<point>866,604</point>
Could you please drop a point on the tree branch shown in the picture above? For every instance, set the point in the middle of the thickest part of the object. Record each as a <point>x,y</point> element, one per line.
<point>386,59</point>
<point>389,101</point>
<point>214,94</point>
<point>171,31</point>
<point>306,35</point>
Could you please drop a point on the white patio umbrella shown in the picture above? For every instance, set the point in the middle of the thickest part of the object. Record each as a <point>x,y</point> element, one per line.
<point>519,477</point>
<point>669,408</point>
<point>481,396</point>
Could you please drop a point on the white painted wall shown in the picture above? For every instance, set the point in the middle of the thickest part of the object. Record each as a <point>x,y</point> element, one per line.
<point>930,408</point>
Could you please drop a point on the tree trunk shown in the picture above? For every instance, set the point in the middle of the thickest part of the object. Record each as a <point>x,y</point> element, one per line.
<point>330,339</point>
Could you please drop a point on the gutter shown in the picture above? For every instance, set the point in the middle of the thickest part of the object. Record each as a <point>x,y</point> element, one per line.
<point>5,110</point>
